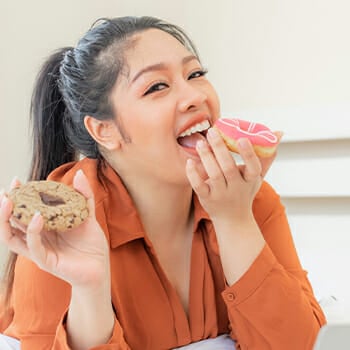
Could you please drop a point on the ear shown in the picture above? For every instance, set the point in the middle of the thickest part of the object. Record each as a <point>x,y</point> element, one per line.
<point>104,132</point>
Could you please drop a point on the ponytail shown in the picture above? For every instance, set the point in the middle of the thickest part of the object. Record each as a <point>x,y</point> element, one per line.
<point>48,112</point>
<point>50,145</point>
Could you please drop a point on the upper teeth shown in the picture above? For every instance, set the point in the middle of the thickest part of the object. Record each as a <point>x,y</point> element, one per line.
<point>196,128</point>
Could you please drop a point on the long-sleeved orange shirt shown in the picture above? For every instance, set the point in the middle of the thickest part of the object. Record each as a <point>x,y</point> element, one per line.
<point>271,306</point>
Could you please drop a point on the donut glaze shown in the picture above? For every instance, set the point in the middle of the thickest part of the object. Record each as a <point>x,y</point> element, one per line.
<point>264,141</point>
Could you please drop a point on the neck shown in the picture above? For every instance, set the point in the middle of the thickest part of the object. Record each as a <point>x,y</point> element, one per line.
<point>165,210</point>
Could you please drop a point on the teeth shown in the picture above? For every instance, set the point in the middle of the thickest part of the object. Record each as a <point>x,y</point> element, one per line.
<point>196,128</point>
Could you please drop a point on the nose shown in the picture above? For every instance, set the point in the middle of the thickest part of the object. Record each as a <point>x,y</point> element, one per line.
<point>190,96</point>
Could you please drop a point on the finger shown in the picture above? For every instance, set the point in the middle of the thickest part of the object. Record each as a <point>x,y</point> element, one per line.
<point>266,163</point>
<point>34,239</point>
<point>2,195</point>
<point>222,154</point>
<point>81,184</point>
<point>196,181</point>
<point>5,215</point>
<point>15,223</point>
<point>279,135</point>
<point>15,183</point>
<point>8,235</point>
<point>210,164</point>
<point>252,169</point>
<point>19,233</point>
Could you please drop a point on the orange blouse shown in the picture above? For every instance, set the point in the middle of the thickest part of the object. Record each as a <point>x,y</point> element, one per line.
<point>271,306</point>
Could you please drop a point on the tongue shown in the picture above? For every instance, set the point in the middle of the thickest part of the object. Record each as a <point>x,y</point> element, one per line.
<point>191,140</point>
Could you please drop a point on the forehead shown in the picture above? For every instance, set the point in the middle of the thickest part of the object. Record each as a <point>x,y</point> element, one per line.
<point>154,46</point>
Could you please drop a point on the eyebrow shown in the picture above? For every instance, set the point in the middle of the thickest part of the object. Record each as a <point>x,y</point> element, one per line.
<point>161,66</point>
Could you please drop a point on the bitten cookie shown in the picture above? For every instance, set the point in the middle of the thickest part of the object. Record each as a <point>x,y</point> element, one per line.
<point>60,205</point>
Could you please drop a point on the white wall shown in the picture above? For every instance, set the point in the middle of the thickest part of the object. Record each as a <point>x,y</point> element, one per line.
<point>276,52</point>
<point>284,63</point>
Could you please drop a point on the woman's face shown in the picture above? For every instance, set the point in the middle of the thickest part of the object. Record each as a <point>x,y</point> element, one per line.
<point>163,101</point>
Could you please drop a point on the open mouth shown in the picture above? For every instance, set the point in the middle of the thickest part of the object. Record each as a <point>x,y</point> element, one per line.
<point>192,135</point>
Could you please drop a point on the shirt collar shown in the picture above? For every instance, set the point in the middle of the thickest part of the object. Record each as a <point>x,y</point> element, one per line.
<point>123,221</point>
<point>114,206</point>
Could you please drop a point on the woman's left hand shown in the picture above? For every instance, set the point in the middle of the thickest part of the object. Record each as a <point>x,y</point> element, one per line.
<point>224,188</point>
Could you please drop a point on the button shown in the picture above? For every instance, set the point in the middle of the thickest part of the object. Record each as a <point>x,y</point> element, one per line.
<point>231,296</point>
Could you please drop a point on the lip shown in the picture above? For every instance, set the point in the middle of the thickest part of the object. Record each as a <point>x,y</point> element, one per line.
<point>198,118</point>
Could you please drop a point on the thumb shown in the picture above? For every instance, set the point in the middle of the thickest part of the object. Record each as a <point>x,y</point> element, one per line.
<point>267,161</point>
<point>35,245</point>
<point>81,184</point>
<point>266,164</point>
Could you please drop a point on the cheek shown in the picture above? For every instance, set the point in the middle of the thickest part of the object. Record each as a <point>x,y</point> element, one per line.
<point>153,118</point>
<point>144,129</point>
<point>215,105</point>
<point>133,120</point>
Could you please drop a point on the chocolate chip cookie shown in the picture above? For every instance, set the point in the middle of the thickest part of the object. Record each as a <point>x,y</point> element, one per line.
<point>61,206</point>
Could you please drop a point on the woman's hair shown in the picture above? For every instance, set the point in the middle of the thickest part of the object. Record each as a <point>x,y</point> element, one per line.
<point>75,82</point>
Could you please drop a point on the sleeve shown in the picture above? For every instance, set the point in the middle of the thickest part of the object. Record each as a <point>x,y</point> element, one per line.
<point>39,304</point>
<point>116,342</point>
<point>272,306</point>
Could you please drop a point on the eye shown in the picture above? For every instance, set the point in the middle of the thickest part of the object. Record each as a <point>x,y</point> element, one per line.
<point>156,87</point>
<point>198,74</point>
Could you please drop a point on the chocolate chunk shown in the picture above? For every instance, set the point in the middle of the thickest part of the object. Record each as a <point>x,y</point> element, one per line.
<point>51,200</point>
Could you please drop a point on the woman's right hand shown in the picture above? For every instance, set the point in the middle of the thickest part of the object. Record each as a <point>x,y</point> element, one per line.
<point>79,256</point>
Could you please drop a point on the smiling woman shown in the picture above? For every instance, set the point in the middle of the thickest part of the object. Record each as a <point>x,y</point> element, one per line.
<point>182,246</point>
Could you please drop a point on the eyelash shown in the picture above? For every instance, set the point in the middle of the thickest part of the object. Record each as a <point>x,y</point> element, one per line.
<point>155,87</point>
<point>201,72</point>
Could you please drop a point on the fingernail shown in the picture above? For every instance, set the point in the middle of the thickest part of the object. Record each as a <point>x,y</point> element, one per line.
<point>212,133</point>
<point>190,162</point>
<point>200,144</point>
<point>33,222</point>
<point>36,216</point>
<point>14,182</point>
<point>243,143</point>
<point>79,172</point>
<point>4,201</point>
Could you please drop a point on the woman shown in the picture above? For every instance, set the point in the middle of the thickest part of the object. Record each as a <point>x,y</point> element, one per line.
<point>181,244</point>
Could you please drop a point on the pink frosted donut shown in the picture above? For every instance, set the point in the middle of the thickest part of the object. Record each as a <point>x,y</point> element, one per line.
<point>262,138</point>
